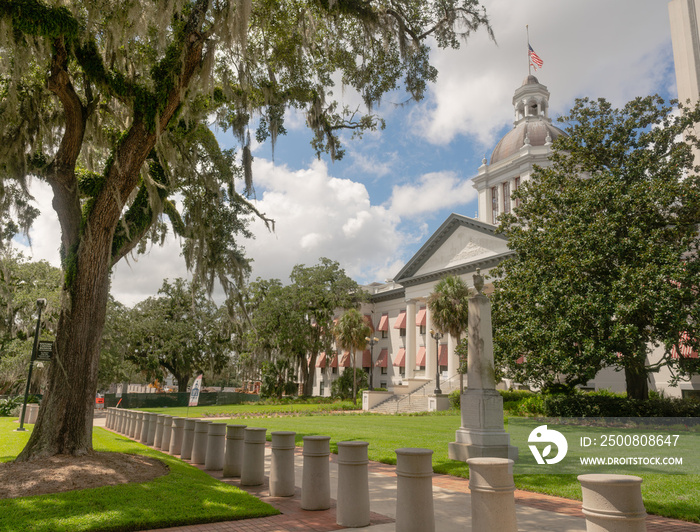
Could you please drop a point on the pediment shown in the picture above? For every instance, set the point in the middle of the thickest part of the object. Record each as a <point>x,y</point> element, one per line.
<point>459,242</point>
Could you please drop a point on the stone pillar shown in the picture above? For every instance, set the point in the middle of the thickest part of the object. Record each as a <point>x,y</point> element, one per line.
<point>482,432</point>
<point>353,484</point>
<point>410,338</point>
<point>159,431</point>
<point>253,466</point>
<point>492,494</point>
<point>133,423</point>
<point>199,445</point>
<point>414,491</point>
<point>613,503</point>
<point>176,433</point>
<point>234,450</point>
<point>282,465</point>
<point>128,423</point>
<point>452,359</point>
<point>118,420</point>
<point>152,422</point>
<point>31,413</point>
<point>316,477</point>
<point>430,354</point>
<point>187,439</point>
<point>145,421</point>
<point>167,433</point>
<point>216,440</point>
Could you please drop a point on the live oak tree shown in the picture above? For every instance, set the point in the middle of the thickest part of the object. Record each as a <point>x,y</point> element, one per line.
<point>295,322</point>
<point>606,260</point>
<point>110,104</point>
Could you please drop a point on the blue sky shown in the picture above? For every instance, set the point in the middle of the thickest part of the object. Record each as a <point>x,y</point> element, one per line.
<point>374,209</point>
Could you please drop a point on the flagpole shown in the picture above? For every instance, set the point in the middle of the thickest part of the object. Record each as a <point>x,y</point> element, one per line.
<point>529,65</point>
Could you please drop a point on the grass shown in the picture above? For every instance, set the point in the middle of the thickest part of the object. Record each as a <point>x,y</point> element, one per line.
<point>185,496</point>
<point>255,410</point>
<point>676,496</point>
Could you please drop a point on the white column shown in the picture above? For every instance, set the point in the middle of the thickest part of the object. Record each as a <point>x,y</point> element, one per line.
<point>452,361</point>
<point>410,338</point>
<point>430,350</point>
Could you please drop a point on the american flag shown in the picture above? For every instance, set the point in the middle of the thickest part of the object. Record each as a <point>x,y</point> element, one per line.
<point>534,58</point>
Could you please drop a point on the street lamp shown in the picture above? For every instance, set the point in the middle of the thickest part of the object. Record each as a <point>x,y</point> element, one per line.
<point>40,304</point>
<point>437,337</point>
<point>371,341</point>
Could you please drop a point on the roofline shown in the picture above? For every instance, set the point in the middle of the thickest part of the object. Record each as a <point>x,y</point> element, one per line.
<point>448,227</point>
<point>484,263</point>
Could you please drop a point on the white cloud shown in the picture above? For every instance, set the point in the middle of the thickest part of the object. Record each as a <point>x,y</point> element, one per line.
<point>433,191</point>
<point>318,215</point>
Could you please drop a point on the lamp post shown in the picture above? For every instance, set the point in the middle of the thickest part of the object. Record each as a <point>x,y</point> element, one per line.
<point>40,304</point>
<point>437,337</point>
<point>371,341</point>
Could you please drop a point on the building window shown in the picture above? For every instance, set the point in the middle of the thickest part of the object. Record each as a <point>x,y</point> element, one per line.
<point>383,370</point>
<point>402,371</point>
<point>334,370</point>
<point>494,204</point>
<point>422,329</point>
<point>385,334</point>
<point>382,384</point>
<point>506,197</point>
<point>516,187</point>
<point>402,332</point>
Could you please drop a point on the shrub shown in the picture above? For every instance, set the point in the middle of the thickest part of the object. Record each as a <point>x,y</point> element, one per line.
<point>7,406</point>
<point>607,404</point>
<point>454,398</point>
<point>342,386</point>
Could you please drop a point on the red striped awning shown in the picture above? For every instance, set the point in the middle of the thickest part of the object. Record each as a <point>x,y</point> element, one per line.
<point>321,362</point>
<point>442,359</point>
<point>346,361</point>
<point>366,359</point>
<point>384,323</point>
<point>400,322</point>
<point>368,321</point>
<point>687,351</point>
<point>420,357</point>
<point>334,361</point>
<point>400,360</point>
<point>420,317</point>
<point>383,359</point>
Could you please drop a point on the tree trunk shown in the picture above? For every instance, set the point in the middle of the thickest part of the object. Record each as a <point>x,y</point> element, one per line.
<point>637,382</point>
<point>182,379</point>
<point>64,425</point>
<point>307,374</point>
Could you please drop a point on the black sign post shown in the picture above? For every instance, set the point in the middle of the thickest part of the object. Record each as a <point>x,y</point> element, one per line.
<point>40,303</point>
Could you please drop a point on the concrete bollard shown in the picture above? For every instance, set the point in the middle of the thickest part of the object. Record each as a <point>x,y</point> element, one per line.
<point>199,444</point>
<point>234,450</point>
<point>414,491</point>
<point>353,484</point>
<point>152,422</point>
<point>316,478</point>
<point>159,431</point>
<point>187,439</point>
<point>282,464</point>
<point>128,420</point>
<point>176,433</point>
<point>108,418</point>
<point>139,425</point>
<point>119,421</point>
<point>145,421</point>
<point>167,433</point>
<point>133,423</point>
<point>253,465</point>
<point>216,441</point>
<point>613,503</point>
<point>31,413</point>
<point>492,494</point>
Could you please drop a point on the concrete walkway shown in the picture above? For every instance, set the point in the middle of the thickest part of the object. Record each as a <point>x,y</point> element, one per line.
<point>535,512</point>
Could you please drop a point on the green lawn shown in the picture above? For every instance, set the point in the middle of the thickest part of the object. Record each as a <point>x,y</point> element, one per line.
<point>255,410</point>
<point>676,496</point>
<point>185,496</point>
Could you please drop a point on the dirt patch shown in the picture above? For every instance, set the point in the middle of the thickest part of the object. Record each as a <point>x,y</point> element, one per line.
<point>66,473</point>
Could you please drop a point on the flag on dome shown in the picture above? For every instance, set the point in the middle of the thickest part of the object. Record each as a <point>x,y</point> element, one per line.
<point>534,58</point>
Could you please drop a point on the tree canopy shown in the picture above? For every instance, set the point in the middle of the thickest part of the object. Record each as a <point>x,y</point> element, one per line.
<point>606,241</point>
<point>112,104</point>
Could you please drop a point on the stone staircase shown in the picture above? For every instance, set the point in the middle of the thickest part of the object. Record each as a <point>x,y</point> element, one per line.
<point>402,404</point>
<point>416,401</point>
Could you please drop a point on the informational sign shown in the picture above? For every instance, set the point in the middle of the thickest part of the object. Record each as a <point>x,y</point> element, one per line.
<point>194,393</point>
<point>44,351</point>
